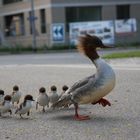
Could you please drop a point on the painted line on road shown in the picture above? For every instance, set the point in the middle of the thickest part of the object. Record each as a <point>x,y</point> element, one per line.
<point>83,66</point>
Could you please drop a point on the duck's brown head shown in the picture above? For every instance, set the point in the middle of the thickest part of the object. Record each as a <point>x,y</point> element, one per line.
<point>2,92</point>
<point>53,88</point>
<point>15,88</point>
<point>7,98</point>
<point>28,97</point>
<point>42,90</point>
<point>65,87</point>
<point>88,45</point>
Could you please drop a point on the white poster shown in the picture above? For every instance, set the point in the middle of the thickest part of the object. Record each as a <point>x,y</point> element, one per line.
<point>125,26</point>
<point>102,29</point>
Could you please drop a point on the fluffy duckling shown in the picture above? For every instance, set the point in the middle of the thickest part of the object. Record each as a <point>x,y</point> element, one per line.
<point>53,95</point>
<point>42,99</point>
<point>25,106</point>
<point>92,89</point>
<point>6,105</point>
<point>1,96</point>
<point>16,94</point>
<point>64,89</point>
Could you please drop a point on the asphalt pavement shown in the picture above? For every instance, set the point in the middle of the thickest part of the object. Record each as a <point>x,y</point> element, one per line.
<point>121,121</point>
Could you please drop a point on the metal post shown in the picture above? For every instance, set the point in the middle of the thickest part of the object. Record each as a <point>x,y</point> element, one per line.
<point>32,20</point>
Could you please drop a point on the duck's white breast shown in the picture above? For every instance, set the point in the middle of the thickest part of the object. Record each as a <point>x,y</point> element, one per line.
<point>105,82</point>
<point>25,108</point>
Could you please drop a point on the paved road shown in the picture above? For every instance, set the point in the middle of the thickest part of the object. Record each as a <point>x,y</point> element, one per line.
<point>121,121</point>
<point>51,58</point>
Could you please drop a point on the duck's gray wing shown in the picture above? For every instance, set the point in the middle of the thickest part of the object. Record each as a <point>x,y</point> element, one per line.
<point>77,88</point>
<point>78,84</point>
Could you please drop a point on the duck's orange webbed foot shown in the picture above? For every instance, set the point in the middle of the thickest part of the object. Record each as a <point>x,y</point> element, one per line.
<point>81,117</point>
<point>103,102</point>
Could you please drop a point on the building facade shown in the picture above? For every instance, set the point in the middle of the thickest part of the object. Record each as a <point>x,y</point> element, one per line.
<point>15,17</point>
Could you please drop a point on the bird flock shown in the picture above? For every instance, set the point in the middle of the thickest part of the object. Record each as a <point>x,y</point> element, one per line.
<point>89,90</point>
<point>11,103</point>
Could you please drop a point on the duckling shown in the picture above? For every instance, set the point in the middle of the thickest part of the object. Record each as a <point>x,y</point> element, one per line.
<point>53,95</point>
<point>42,99</point>
<point>1,96</point>
<point>6,105</point>
<point>92,89</point>
<point>64,89</point>
<point>16,95</point>
<point>25,106</point>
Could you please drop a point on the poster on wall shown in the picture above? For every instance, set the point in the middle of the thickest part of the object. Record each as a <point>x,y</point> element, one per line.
<point>58,33</point>
<point>102,29</point>
<point>125,26</point>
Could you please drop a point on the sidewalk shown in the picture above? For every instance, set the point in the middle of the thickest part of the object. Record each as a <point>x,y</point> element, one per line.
<point>125,62</point>
<point>133,61</point>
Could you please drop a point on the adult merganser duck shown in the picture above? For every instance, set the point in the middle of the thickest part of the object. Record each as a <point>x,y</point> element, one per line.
<point>6,105</point>
<point>92,89</point>
<point>16,94</point>
<point>42,99</point>
<point>25,106</point>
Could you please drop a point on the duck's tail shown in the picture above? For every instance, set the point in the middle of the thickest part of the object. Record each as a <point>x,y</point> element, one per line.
<point>63,101</point>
